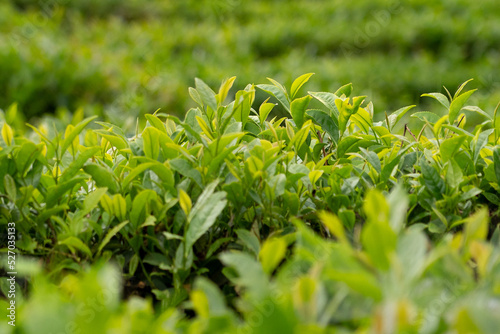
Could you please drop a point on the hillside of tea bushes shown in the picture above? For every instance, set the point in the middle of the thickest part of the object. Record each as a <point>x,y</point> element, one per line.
<point>140,55</point>
<point>230,221</point>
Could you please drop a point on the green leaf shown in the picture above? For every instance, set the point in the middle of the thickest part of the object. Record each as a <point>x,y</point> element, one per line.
<point>398,207</point>
<point>75,132</point>
<point>103,177</point>
<point>450,147</point>
<point>344,90</point>
<point>241,108</point>
<point>301,136</point>
<point>326,122</point>
<point>433,180</point>
<point>151,142</point>
<point>205,127</point>
<point>379,240</point>
<point>440,98</point>
<point>7,134</point>
<point>132,265</point>
<point>116,141</point>
<point>91,200</point>
<point>195,96</point>
<point>328,100</point>
<point>216,301</point>
<point>185,202</point>
<point>457,104</point>
<point>224,90</point>
<point>156,123</point>
<point>480,141</point>
<point>476,227</point>
<point>454,175</point>
<point>272,253</point>
<point>136,171</point>
<point>298,110</point>
<point>264,110</point>
<point>298,83</point>
<point>396,116</point>
<point>74,242</point>
<point>363,120</point>
<point>351,144</point>
<point>249,240</point>
<point>140,206</point>
<point>214,247</point>
<point>191,125</point>
<point>278,93</point>
<point>119,207</point>
<point>496,162</point>
<point>375,206</point>
<point>204,213</point>
<point>250,272</point>
<point>56,192</point>
<point>334,225</point>
<point>373,159</point>
<point>426,116</point>
<point>110,235</point>
<point>458,130</point>
<point>479,111</point>
<point>460,88</point>
<point>277,185</point>
<point>206,93</point>
<point>10,187</point>
<point>346,110</point>
<point>78,163</point>
<point>389,167</point>
<point>26,155</point>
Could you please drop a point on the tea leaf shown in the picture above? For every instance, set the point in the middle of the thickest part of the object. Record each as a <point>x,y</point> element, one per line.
<point>204,213</point>
<point>71,136</point>
<point>102,177</point>
<point>298,110</point>
<point>298,83</point>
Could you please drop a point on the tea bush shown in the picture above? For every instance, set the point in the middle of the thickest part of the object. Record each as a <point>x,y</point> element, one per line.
<point>229,220</point>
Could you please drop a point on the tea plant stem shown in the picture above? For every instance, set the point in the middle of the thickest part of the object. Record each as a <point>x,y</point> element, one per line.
<point>406,127</point>
<point>323,148</point>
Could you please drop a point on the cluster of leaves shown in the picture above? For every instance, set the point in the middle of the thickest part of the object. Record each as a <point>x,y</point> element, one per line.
<point>223,211</point>
<point>114,56</point>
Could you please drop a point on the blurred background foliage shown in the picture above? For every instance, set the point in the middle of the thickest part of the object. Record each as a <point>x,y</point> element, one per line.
<point>133,56</point>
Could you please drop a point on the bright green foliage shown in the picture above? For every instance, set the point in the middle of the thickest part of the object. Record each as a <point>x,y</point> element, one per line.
<point>325,219</point>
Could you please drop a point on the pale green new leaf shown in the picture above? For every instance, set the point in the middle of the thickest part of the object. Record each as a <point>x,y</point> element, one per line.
<point>206,93</point>
<point>457,104</point>
<point>450,147</point>
<point>272,253</point>
<point>278,93</point>
<point>75,132</point>
<point>298,110</point>
<point>298,83</point>
<point>151,142</point>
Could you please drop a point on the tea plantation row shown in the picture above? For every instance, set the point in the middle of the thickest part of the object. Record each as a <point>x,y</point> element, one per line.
<point>139,55</point>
